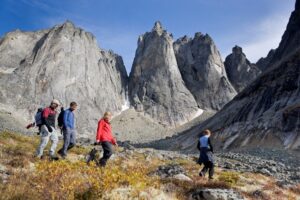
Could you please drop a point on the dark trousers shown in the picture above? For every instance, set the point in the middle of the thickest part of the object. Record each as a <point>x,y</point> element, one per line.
<point>69,141</point>
<point>208,166</point>
<point>107,152</point>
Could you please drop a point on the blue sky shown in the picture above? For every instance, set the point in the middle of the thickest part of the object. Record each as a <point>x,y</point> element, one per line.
<point>256,25</point>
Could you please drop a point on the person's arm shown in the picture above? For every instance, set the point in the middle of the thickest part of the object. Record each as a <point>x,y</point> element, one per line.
<point>114,141</point>
<point>210,145</point>
<point>99,130</point>
<point>198,145</point>
<point>66,118</point>
<point>45,116</point>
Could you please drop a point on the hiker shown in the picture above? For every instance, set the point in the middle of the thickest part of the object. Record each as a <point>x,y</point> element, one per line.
<point>105,137</point>
<point>206,154</point>
<point>48,130</point>
<point>68,129</point>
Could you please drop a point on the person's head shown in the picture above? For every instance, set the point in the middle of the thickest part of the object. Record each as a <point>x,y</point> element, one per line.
<point>54,104</point>
<point>107,116</point>
<point>207,132</point>
<point>73,106</point>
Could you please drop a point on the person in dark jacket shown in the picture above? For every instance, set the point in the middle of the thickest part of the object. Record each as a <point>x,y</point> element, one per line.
<point>48,131</point>
<point>105,137</point>
<point>206,154</point>
<point>68,128</point>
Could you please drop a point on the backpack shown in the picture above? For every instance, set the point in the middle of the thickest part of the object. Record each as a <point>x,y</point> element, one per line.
<point>38,117</point>
<point>60,118</point>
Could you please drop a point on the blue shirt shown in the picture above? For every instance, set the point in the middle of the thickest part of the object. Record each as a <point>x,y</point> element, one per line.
<point>69,121</point>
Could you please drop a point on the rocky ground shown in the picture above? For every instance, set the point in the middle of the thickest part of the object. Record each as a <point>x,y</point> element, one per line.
<point>141,173</point>
<point>285,168</point>
<point>130,126</point>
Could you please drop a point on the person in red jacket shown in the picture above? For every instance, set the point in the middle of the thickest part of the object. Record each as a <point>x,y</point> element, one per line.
<point>105,137</point>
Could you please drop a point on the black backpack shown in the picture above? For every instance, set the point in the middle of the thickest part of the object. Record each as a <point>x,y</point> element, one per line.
<point>60,118</point>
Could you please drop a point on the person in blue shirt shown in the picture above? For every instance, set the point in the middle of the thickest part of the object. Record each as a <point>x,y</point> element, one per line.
<point>68,128</point>
<point>206,154</point>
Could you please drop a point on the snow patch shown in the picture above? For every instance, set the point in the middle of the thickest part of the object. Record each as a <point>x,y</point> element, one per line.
<point>7,71</point>
<point>125,106</point>
<point>198,113</point>
<point>218,68</point>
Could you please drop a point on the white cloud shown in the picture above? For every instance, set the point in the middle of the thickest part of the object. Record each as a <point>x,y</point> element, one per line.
<point>265,36</point>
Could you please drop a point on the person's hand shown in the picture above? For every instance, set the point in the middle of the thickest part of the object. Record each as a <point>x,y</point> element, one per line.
<point>50,129</point>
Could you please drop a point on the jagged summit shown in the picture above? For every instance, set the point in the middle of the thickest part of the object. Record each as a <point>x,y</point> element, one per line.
<point>203,72</point>
<point>237,50</point>
<point>240,71</point>
<point>68,23</point>
<point>157,26</point>
<point>156,86</point>
<point>290,41</point>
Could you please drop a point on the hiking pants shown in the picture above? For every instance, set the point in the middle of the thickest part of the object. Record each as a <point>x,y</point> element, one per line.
<point>107,152</point>
<point>210,167</point>
<point>69,140</point>
<point>45,136</point>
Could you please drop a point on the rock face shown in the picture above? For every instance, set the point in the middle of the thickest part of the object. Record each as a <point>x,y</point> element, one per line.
<point>215,194</point>
<point>203,71</point>
<point>156,86</point>
<point>289,43</point>
<point>265,114</point>
<point>64,63</point>
<point>263,63</point>
<point>239,70</point>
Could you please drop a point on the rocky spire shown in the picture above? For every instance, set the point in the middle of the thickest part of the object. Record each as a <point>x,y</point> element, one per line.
<point>237,50</point>
<point>203,71</point>
<point>157,27</point>
<point>239,69</point>
<point>156,86</point>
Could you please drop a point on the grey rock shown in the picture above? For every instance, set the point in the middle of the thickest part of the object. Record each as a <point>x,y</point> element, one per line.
<point>239,70</point>
<point>202,69</point>
<point>290,41</point>
<point>228,165</point>
<point>65,63</point>
<point>265,114</point>
<point>3,169</point>
<point>263,63</point>
<point>167,171</point>
<point>156,86</point>
<point>215,194</point>
<point>258,194</point>
<point>182,177</point>
<point>265,172</point>
<point>126,145</point>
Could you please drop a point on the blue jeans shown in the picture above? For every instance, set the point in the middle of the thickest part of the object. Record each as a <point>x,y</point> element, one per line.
<point>69,140</point>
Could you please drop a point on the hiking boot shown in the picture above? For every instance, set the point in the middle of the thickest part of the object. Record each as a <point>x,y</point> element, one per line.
<point>211,178</point>
<point>201,174</point>
<point>60,152</point>
<point>54,158</point>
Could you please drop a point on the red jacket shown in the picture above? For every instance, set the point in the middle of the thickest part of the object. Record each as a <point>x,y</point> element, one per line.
<point>104,133</point>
